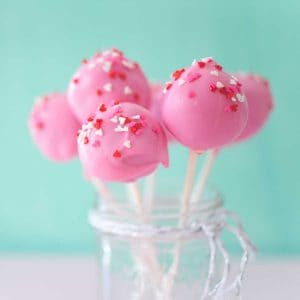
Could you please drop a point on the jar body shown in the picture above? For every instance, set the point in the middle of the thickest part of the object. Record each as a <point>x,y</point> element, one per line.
<point>158,260</point>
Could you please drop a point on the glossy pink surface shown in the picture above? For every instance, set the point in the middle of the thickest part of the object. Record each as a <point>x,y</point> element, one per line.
<point>204,107</point>
<point>53,127</point>
<point>122,143</point>
<point>260,103</point>
<point>107,78</point>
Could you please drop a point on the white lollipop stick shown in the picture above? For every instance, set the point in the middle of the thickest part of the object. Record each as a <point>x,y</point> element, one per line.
<point>203,177</point>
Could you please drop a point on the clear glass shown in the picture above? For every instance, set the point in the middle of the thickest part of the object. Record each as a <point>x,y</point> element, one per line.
<point>157,259</point>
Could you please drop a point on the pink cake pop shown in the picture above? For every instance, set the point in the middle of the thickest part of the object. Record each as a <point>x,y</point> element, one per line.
<point>204,107</point>
<point>53,127</point>
<point>122,143</point>
<point>260,103</point>
<point>156,106</point>
<point>108,77</point>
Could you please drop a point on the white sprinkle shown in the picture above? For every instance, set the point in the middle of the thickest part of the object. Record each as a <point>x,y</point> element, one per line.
<point>99,60</point>
<point>233,77</point>
<point>87,126</point>
<point>136,117</point>
<point>107,87</point>
<point>114,119</point>
<point>194,62</point>
<point>206,59</point>
<point>233,81</point>
<point>219,85</point>
<point>181,81</point>
<point>115,54</point>
<point>165,90</point>
<point>241,97</point>
<point>106,66</point>
<point>91,66</point>
<point>121,129</point>
<point>106,52</point>
<point>127,90</point>
<point>214,73</point>
<point>127,144</point>
<point>233,99</point>
<point>122,120</point>
<point>99,132</point>
<point>128,64</point>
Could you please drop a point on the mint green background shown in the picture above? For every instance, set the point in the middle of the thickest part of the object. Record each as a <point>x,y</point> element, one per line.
<point>43,206</point>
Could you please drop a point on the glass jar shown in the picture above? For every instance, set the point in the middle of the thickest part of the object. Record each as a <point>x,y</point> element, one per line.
<point>160,260</point>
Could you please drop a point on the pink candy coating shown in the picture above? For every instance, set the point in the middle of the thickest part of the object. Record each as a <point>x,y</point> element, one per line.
<point>260,103</point>
<point>122,143</point>
<point>107,78</point>
<point>53,127</point>
<point>204,107</point>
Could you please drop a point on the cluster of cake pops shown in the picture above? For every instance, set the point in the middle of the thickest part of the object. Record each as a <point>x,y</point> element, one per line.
<point>121,126</point>
<point>124,124</point>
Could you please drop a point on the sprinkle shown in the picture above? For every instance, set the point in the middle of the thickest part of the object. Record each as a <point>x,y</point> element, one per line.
<point>233,99</point>
<point>107,87</point>
<point>191,94</point>
<point>233,81</point>
<point>136,117</point>
<point>99,132</point>
<point>193,77</point>
<point>218,67</point>
<point>201,64</point>
<point>234,107</point>
<point>112,74</point>
<point>39,125</point>
<point>194,62</point>
<point>219,85</point>
<point>121,129</point>
<point>117,154</point>
<point>114,119</point>
<point>84,61</point>
<point>127,90</point>
<point>207,59</point>
<point>75,80</point>
<point>181,82</point>
<point>102,108</point>
<point>167,87</point>
<point>99,92</point>
<point>106,66</point>
<point>96,143</point>
<point>98,123</point>
<point>128,64</point>
<point>122,120</point>
<point>176,74</point>
<point>214,73</point>
<point>136,127</point>
<point>136,97</point>
<point>127,144</point>
<point>90,119</point>
<point>240,97</point>
<point>212,87</point>
<point>122,76</point>
<point>86,140</point>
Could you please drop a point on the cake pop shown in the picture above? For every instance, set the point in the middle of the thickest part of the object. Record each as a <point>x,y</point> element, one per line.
<point>204,107</point>
<point>53,127</point>
<point>106,78</point>
<point>121,143</point>
<point>260,102</point>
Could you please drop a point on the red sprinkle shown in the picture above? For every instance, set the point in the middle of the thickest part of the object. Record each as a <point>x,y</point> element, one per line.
<point>86,140</point>
<point>201,64</point>
<point>76,80</point>
<point>136,97</point>
<point>234,107</point>
<point>122,76</point>
<point>176,74</point>
<point>168,85</point>
<point>102,108</point>
<point>212,87</point>
<point>84,61</point>
<point>136,127</point>
<point>90,119</point>
<point>219,67</point>
<point>40,125</point>
<point>112,74</point>
<point>117,154</point>
<point>98,123</point>
<point>99,92</point>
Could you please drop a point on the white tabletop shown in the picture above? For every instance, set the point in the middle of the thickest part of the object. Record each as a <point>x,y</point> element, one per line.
<point>74,278</point>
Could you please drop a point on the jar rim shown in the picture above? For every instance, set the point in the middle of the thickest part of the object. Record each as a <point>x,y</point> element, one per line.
<point>166,210</point>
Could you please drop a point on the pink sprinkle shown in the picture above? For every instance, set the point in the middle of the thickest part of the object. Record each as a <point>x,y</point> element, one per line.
<point>96,143</point>
<point>192,94</point>
<point>193,76</point>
